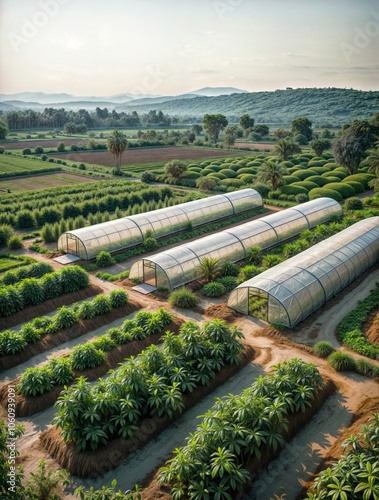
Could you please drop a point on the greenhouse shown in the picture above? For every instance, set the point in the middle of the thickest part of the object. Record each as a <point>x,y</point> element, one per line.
<point>126,232</point>
<point>287,293</point>
<point>177,266</point>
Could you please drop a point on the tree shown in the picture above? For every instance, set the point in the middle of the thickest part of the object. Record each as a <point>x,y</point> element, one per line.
<point>213,124</point>
<point>61,147</point>
<point>286,148</point>
<point>373,161</point>
<point>230,137</point>
<point>273,172</point>
<point>4,130</point>
<point>262,130</point>
<point>197,129</point>
<point>320,145</point>
<point>302,125</point>
<point>116,144</point>
<point>349,148</point>
<point>175,168</point>
<point>246,122</point>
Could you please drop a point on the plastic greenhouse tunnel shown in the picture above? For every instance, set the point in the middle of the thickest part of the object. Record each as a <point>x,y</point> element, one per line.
<point>127,232</point>
<point>289,292</point>
<point>177,266</point>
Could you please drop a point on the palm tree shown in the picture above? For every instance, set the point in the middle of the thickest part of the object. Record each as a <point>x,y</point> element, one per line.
<point>208,267</point>
<point>285,148</point>
<point>272,172</point>
<point>373,161</point>
<point>116,144</point>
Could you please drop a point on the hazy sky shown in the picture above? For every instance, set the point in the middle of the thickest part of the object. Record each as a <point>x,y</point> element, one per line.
<point>105,47</point>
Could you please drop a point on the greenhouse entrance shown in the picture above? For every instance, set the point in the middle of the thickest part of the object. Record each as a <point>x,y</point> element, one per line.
<point>149,273</point>
<point>258,304</point>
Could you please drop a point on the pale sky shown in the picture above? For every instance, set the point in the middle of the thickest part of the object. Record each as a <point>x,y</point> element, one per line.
<point>168,47</point>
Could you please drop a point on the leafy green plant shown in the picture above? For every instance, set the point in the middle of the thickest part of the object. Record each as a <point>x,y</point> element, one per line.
<point>43,484</point>
<point>104,259</point>
<point>228,282</point>
<point>248,272</point>
<point>118,298</point>
<point>61,371</point>
<point>15,242</point>
<point>150,244</point>
<point>104,343</point>
<point>229,269</point>
<point>213,289</point>
<point>86,356</point>
<point>183,297</point>
<point>254,255</point>
<point>11,342</point>
<point>271,260</point>
<point>86,310</point>
<point>65,318</point>
<point>208,267</point>
<point>36,380</point>
<point>101,305</point>
<point>30,333</point>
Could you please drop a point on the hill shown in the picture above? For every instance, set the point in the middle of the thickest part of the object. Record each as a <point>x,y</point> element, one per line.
<point>328,105</point>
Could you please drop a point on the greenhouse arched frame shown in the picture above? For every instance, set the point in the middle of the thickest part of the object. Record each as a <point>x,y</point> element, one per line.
<point>116,235</point>
<point>289,292</point>
<point>179,265</point>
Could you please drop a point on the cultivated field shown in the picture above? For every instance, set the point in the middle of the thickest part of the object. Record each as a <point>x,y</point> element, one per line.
<point>45,143</point>
<point>14,164</point>
<point>42,182</point>
<point>132,156</point>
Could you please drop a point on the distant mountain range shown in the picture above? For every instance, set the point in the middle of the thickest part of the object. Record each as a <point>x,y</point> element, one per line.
<point>326,105</point>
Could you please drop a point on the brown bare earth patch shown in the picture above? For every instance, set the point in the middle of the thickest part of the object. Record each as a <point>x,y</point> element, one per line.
<point>222,311</point>
<point>370,327</point>
<point>282,340</point>
<point>49,305</point>
<point>131,156</point>
<point>28,405</point>
<point>95,464</point>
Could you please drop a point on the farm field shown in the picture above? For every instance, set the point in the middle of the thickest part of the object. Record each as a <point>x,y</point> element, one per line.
<point>18,165</point>
<point>320,434</point>
<point>135,155</point>
<point>42,182</point>
<point>254,146</point>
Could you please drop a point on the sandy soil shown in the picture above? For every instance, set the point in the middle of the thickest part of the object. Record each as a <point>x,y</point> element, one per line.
<point>302,455</point>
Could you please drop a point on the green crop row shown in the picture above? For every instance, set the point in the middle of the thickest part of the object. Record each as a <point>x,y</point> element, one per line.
<point>36,270</point>
<point>33,291</point>
<point>60,371</point>
<point>152,384</point>
<point>349,329</point>
<point>238,428</point>
<point>12,342</point>
<point>356,474</point>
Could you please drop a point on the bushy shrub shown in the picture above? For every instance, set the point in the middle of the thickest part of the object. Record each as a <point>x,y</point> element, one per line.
<point>61,371</point>
<point>104,343</point>
<point>262,189</point>
<point>86,310</point>
<point>358,187</point>
<point>118,298</point>
<point>183,297</point>
<point>104,259</point>
<point>35,380</point>
<point>213,289</point>
<point>148,176</point>
<point>6,232</point>
<point>248,272</point>
<point>271,260</point>
<point>15,242</point>
<point>304,174</point>
<point>318,179</point>
<point>306,184</point>
<point>367,369</point>
<point>301,198</point>
<point>362,178</point>
<point>353,204</point>
<point>86,356</point>
<point>323,349</point>
<point>341,361</point>
<point>150,244</point>
<point>101,305</point>
<point>65,318</point>
<point>324,192</point>
<point>344,189</point>
<point>229,269</point>
<point>254,255</point>
<point>229,282</point>
<point>293,189</point>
